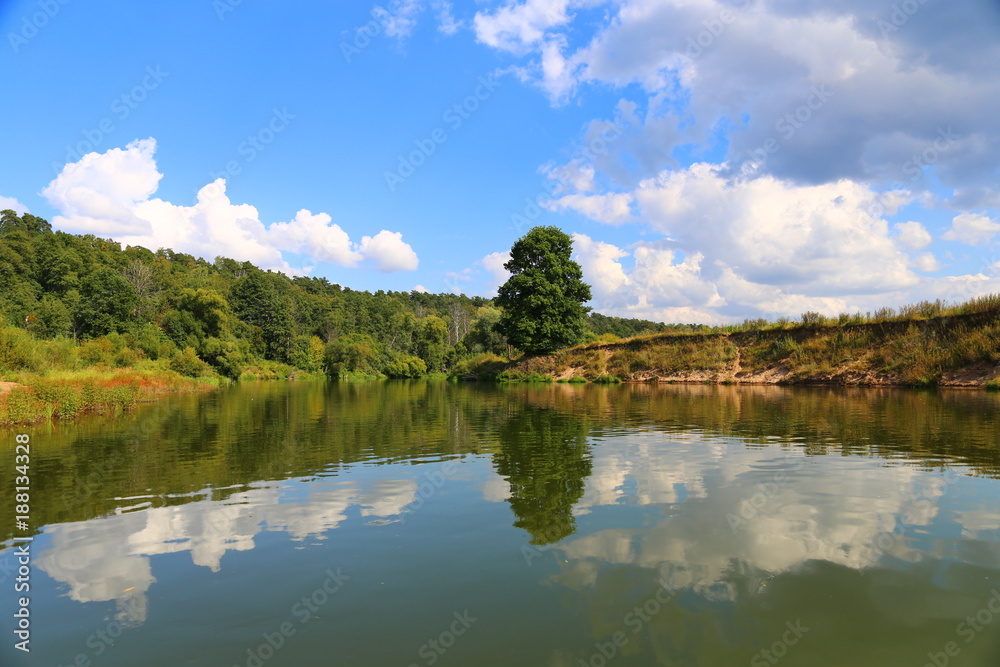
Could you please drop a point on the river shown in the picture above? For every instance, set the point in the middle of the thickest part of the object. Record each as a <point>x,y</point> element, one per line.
<point>434,523</point>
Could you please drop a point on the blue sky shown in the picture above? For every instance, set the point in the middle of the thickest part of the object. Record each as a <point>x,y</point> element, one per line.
<point>715,160</point>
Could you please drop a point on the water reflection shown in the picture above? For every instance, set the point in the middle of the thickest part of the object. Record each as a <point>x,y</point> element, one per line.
<point>734,500</point>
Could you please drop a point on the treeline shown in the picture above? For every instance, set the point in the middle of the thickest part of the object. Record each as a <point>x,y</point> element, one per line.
<point>71,301</point>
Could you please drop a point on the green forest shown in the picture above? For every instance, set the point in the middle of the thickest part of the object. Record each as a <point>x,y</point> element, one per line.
<point>73,302</point>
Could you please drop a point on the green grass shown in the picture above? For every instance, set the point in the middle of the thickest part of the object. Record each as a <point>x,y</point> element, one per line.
<point>67,395</point>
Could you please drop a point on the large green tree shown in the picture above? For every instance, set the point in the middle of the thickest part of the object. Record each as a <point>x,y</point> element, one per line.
<point>543,299</point>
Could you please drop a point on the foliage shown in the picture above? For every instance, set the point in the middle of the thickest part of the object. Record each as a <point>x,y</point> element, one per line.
<point>542,301</point>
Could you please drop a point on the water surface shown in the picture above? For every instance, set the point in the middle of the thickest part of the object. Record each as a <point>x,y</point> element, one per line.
<point>427,523</point>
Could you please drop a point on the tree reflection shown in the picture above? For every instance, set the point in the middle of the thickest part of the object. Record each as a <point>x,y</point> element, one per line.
<point>545,458</point>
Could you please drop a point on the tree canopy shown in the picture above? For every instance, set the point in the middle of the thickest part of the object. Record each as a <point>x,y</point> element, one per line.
<point>542,301</point>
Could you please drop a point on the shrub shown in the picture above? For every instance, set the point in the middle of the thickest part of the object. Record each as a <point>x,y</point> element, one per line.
<point>187,363</point>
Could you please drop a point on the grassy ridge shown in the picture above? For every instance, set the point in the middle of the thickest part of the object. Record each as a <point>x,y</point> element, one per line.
<point>67,395</point>
<point>923,345</point>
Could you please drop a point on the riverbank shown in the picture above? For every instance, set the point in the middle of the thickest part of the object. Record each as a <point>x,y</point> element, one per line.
<point>952,351</point>
<point>35,398</point>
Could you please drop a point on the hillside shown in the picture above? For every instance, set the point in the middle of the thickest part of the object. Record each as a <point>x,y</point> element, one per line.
<point>960,348</point>
<point>71,302</point>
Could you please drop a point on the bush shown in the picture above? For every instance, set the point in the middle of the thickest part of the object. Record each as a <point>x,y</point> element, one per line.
<point>483,366</point>
<point>188,364</point>
<point>19,351</point>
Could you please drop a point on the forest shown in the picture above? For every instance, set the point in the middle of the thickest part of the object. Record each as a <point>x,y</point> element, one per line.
<point>72,302</point>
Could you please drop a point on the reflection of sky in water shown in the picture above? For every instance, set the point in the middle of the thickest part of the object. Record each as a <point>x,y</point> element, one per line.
<point>107,558</point>
<point>843,510</point>
<point>680,495</point>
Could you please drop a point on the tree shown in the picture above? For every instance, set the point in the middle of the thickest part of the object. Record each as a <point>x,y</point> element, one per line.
<point>543,300</point>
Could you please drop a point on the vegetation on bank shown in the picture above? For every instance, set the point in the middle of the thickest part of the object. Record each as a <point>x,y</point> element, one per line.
<point>68,395</point>
<point>79,304</point>
<point>927,344</point>
<point>73,302</point>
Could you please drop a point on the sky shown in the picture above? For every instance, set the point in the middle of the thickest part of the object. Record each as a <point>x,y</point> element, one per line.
<point>714,160</point>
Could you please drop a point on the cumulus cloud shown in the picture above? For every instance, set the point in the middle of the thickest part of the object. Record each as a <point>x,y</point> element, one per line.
<point>387,251</point>
<point>493,263</point>
<point>738,248</point>
<point>972,228</point>
<point>753,71</point>
<point>13,205</point>
<point>110,194</point>
<point>912,235</point>
<point>612,208</point>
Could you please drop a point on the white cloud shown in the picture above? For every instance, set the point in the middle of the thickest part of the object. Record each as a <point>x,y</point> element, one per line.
<point>912,235</point>
<point>98,194</point>
<point>421,289</point>
<point>493,263</point>
<point>743,67</point>
<point>972,228</point>
<point>109,194</point>
<point>746,248</point>
<point>400,22</point>
<point>387,251</point>
<point>611,208</point>
<point>926,262</point>
<point>447,24</point>
<point>516,27</point>
<point>13,204</point>
<point>316,236</point>
<point>818,239</point>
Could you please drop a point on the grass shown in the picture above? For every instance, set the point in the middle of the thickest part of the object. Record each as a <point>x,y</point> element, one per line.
<point>67,395</point>
<point>920,345</point>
